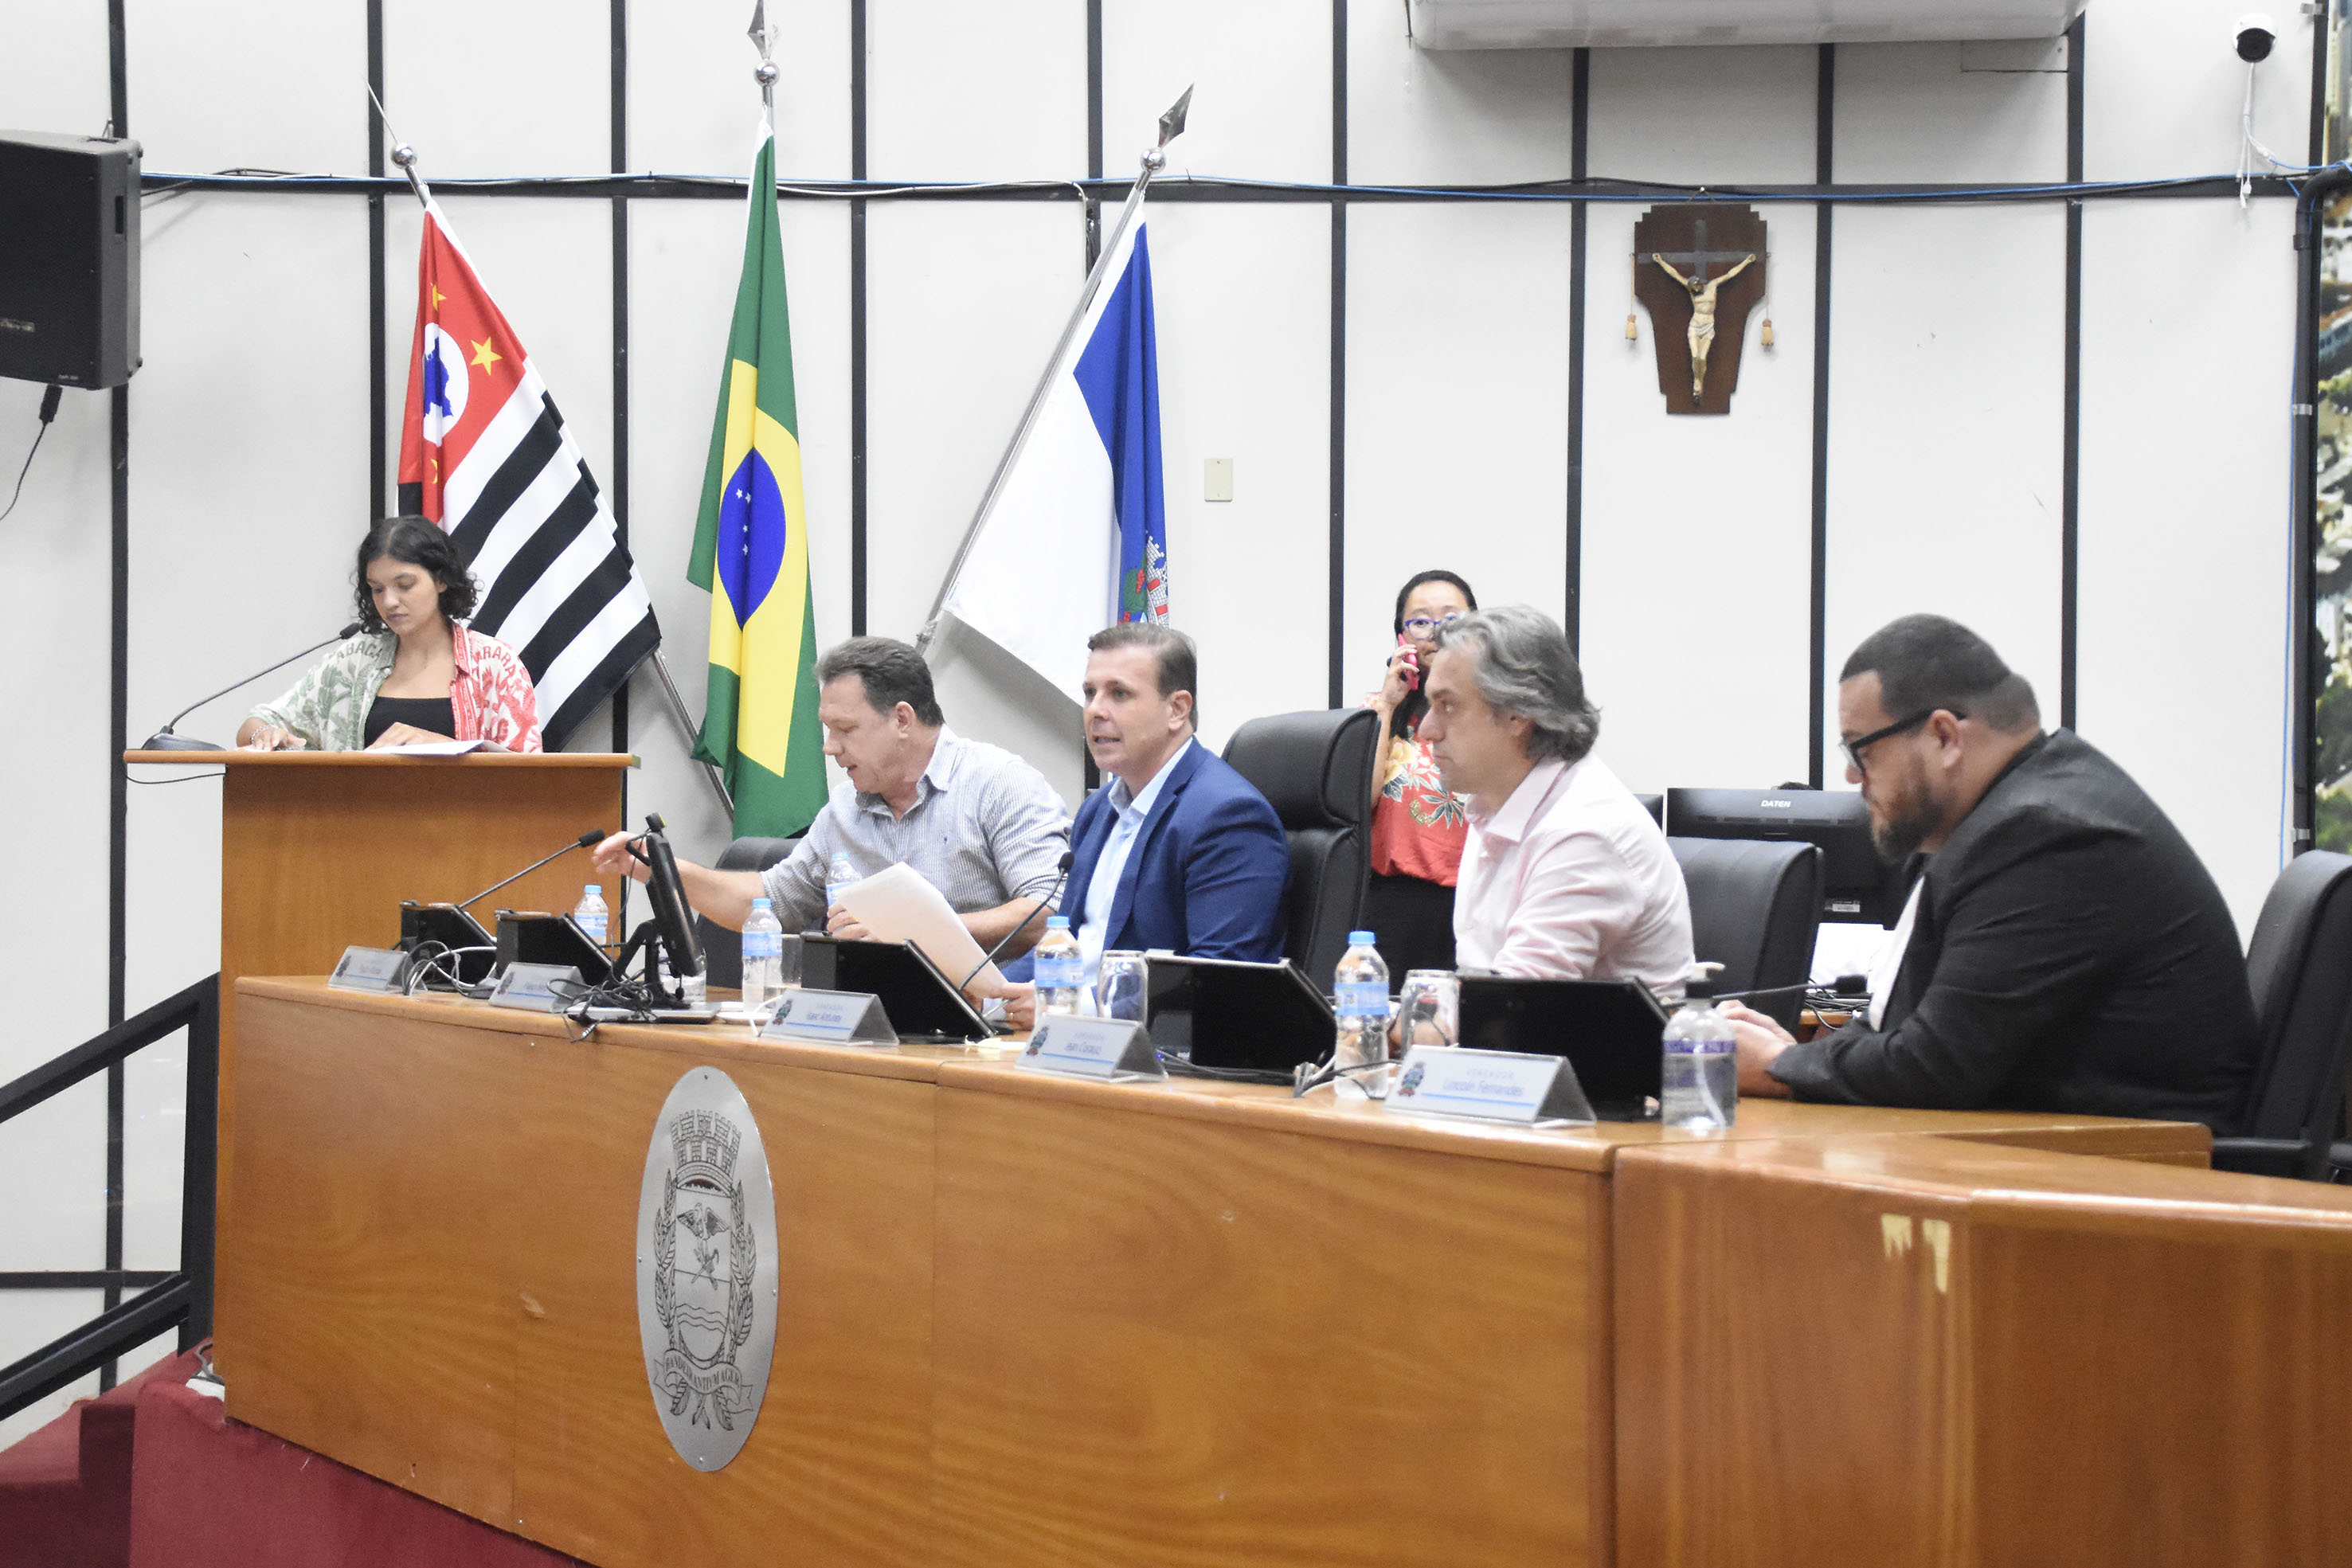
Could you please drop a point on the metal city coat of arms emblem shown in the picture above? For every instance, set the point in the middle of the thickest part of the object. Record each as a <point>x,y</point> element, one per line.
<point>707,1269</point>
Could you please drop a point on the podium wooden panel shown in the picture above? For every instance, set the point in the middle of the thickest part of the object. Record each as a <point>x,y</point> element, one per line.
<point>318,849</point>
<point>1023,1320</point>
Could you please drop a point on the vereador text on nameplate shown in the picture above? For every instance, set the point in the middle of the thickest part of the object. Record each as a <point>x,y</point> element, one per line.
<point>537,988</point>
<point>831,1018</point>
<point>1090,1048</point>
<point>1497,1085</point>
<point>369,970</point>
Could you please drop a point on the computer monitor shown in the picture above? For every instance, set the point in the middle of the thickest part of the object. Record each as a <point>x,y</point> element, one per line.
<point>672,917</point>
<point>1233,1014</point>
<point>1612,1032</point>
<point>527,937</point>
<point>1856,885</point>
<point>922,1003</point>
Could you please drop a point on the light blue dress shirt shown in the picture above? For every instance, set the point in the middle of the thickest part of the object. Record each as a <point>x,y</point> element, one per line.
<point>1102,890</point>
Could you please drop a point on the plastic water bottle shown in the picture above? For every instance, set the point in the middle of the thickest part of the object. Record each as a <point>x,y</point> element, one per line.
<point>1700,1083</point>
<point>838,876</point>
<point>1360,997</point>
<point>590,916</point>
<point>1059,969</point>
<point>763,952</point>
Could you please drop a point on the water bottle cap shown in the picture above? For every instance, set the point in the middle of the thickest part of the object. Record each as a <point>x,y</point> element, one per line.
<point>1057,923</point>
<point>1360,938</point>
<point>1698,980</point>
<point>760,904</point>
<point>595,891</point>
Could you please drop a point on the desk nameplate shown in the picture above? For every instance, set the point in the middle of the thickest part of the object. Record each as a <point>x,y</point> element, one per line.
<point>1492,1085</point>
<point>831,1018</point>
<point>381,970</point>
<point>1109,1049</point>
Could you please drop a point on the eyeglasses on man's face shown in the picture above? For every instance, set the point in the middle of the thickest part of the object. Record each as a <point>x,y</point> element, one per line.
<point>1861,743</point>
<point>1421,628</point>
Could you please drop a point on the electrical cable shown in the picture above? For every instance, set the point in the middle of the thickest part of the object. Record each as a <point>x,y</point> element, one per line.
<point>48,413</point>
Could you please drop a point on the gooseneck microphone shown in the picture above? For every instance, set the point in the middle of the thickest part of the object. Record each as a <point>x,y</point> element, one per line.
<point>164,740</point>
<point>1023,924</point>
<point>587,840</point>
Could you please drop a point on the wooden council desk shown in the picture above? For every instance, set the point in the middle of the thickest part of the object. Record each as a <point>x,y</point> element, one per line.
<point>1028,1321</point>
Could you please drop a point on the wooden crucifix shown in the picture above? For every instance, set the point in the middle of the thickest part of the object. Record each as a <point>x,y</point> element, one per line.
<point>1698,267</point>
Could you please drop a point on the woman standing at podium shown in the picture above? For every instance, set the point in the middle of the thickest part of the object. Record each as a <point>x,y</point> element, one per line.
<point>412,673</point>
<point>1418,828</point>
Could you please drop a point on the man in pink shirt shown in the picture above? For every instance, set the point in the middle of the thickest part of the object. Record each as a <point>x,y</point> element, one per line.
<point>1565,875</point>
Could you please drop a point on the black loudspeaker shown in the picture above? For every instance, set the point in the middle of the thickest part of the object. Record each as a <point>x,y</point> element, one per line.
<point>68,259</point>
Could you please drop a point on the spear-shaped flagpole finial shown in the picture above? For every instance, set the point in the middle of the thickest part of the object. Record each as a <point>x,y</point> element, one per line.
<point>403,156</point>
<point>763,38</point>
<point>1171,126</point>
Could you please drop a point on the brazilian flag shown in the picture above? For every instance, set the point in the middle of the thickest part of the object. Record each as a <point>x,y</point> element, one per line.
<point>750,551</point>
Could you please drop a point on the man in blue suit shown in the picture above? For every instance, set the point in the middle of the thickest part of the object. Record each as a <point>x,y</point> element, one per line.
<point>1180,851</point>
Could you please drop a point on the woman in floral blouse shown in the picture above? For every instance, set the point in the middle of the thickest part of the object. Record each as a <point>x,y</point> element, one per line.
<point>1417,827</point>
<point>412,673</point>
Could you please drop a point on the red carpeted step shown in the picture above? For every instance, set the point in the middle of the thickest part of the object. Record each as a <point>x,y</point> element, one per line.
<point>65,1490</point>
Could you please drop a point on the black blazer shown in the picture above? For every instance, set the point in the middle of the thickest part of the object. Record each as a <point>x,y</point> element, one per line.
<point>2070,954</point>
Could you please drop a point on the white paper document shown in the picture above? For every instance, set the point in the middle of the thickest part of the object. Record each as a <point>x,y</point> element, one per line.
<point>896,905</point>
<point>428,749</point>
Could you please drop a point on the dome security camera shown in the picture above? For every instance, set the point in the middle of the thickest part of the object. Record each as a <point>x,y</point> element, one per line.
<point>2255,34</point>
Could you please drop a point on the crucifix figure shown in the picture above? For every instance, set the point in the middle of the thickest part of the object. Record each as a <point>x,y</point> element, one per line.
<point>1702,321</point>
<point>1699,267</point>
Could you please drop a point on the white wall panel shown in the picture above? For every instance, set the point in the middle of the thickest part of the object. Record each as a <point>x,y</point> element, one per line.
<point>1241,296</point>
<point>55,555</point>
<point>964,303</point>
<point>976,93</point>
<point>54,551</point>
<point>1421,117</point>
<point>1942,112</point>
<point>693,104</point>
<point>686,261</point>
<point>1709,115</point>
<point>1457,410</point>
<point>248,483</point>
<point>202,97</point>
<point>1945,369</point>
<point>1688,510</point>
<point>485,91</point>
<point>2184,531</point>
<point>53,74</point>
<point>2163,88</point>
<point>1261,77</point>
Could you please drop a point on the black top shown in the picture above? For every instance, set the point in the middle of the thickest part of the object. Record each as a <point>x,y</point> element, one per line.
<point>2070,954</point>
<point>431,714</point>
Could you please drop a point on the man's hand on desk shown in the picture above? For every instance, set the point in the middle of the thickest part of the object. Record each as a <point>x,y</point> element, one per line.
<point>1020,1005</point>
<point>613,857</point>
<point>1761,1041</point>
<point>840,923</point>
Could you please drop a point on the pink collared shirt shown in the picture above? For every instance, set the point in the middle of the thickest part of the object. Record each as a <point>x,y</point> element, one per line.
<point>1570,879</point>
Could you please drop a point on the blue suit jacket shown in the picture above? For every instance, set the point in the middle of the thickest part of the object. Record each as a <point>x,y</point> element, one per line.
<point>1206,875</point>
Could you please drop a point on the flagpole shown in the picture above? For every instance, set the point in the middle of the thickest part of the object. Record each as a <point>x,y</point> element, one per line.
<point>1155,157</point>
<point>405,157</point>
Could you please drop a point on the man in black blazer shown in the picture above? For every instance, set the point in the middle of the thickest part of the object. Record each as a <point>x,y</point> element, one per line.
<point>2064,949</point>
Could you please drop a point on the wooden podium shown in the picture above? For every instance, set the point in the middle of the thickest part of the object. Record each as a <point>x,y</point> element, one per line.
<point>318,849</point>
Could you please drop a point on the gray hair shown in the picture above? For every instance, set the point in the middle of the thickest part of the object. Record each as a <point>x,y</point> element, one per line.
<point>1520,660</point>
<point>890,670</point>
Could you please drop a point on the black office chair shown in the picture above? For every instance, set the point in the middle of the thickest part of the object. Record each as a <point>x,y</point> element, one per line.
<point>1317,770</point>
<point>722,950</point>
<point>1756,906</point>
<point>2299,965</point>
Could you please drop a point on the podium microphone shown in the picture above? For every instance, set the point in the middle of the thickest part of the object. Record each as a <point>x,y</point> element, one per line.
<point>164,740</point>
<point>587,840</point>
<point>1006,940</point>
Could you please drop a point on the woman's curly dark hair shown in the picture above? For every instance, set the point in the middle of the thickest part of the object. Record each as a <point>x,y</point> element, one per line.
<point>419,543</point>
